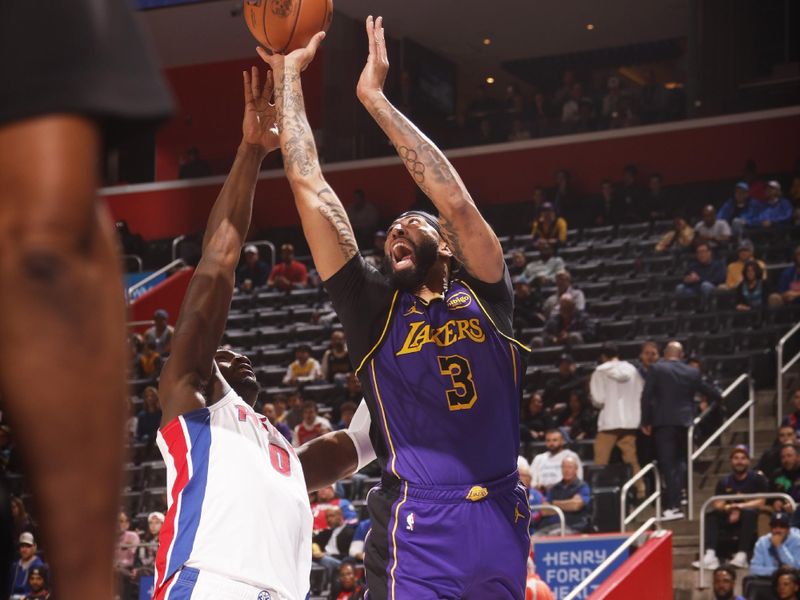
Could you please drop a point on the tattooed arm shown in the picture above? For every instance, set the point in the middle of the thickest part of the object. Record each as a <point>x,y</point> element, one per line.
<point>325,223</point>
<point>468,234</point>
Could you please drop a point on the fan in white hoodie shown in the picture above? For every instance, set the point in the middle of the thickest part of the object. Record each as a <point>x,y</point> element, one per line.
<point>616,389</point>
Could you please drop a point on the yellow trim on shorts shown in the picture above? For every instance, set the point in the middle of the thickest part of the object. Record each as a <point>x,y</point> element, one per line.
<point>513,361</point>
<point>383,333</point>
<point>394,531</point>
<point>383,414</point>
<point>488,316</point>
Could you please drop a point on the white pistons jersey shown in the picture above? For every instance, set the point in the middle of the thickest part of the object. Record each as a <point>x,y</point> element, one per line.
<point>237,503</point>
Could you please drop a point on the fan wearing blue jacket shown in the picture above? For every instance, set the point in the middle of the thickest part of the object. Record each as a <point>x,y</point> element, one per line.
<point>778,548</point>
<point>741,210</point>
<point>775,210</point>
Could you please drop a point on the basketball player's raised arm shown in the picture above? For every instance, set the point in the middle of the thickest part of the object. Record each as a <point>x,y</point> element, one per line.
<point>325,224</point>
<point>469,236</point>
<point>204,311</point>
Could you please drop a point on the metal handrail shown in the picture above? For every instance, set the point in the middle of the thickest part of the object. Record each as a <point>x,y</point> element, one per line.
<point>693,454</point>
<point>611,558</point>
<point>134,257</point>
<point>155,274</point>
<point>655,496</point>
<point>764,495</point>
<point>555,509</point>
<point>175,243</point>
<point>140,323</point>
<point>784,368</point>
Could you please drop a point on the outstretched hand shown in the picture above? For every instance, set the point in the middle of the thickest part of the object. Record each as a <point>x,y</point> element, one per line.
<point>259,126</point>
<point>299,58</point>
<point>374,74</point>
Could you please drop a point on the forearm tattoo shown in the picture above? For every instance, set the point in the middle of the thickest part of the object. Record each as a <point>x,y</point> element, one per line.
<point>333,212</point>
<point>298,147</point>
<point>453,240</point>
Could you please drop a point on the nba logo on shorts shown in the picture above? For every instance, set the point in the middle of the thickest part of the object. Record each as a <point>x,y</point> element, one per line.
<point>410,522</point>
<point>264,595</point>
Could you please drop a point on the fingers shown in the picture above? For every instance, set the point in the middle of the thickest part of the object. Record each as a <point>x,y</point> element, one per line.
<point>380,40</point>
<point>313,45</point>
<point>269,87</point>
<point>266,55</point>
<point>255,84</point>
<point>371,36</point>
<point>248,91</point>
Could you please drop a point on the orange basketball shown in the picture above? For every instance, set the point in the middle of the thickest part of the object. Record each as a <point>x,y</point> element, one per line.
<point>285,25</point>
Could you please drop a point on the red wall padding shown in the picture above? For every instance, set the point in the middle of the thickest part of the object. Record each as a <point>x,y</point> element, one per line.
<point>682,156</point>
<point>646,574</point>
<point>167,295</point>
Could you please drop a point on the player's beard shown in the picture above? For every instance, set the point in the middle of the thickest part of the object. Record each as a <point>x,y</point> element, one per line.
<point>246,386</point>
<point>425,255</point>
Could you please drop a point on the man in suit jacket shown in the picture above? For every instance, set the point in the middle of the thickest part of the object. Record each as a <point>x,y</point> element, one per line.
<point>667,412</point>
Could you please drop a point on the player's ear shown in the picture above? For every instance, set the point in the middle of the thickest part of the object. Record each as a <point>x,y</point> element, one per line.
<point>444,249</point>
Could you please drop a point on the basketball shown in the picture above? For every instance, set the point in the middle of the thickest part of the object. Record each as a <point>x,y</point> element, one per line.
<point>286,25</point>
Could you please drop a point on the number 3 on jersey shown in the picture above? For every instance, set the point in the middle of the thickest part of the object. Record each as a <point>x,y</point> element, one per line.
<point>462,395</point>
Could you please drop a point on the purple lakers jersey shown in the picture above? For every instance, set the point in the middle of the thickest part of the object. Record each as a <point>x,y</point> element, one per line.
<point>442,379</point>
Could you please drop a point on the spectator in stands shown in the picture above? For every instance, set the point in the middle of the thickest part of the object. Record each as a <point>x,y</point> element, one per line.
<point>648,356</point>
<point>569,327</point>
<point>21,568</point>
<point>739,211</point>
<point>125,554</point>
<point>38,583</point>
<point>535,497</point>
<point>657,201</point>
<point>312,426</point>
<point>563,286</point>
<point>543,270</point>
<point>549,227</point>
<point>779,548</point>
<point>135,348</point>
<point>377,258</point>
<point>546,467</point>
<point>579,421</point>
<point>517,262</point>
<point>22,520</point>
<point>289,274</point>
<point>616,388</point>
<point>630,197</point>
<point>563,196</point>
<point>346,586</point>
<point>602,209</point>
<point>755,292</point>
<point>562,93</point>
<point>527,305</point>
<point>253,272</point>
<point>770,461</point>
<point>570,110</point>
<point>364,216</point>
<point>680,237</point>
<point>736,518</point>
<point>359,537</point>
<point>327,497</point>
<point>268,410</point>
<point>332,544</point>
<point>336,360</point>
<point>724,582</point>
<point>347,410</point>
<point>793,418</point>
<point>703,274</point>
<point>519,131</point>
<point>789,283</point>
<point>786,583</point>
<point>734,274</point>
<point>149,418</point>
<point>352,389</point>
<point>775,210</point>
<point>149,362</point>
<point>794,198</point>
<point>541,115</point>
<point>535,420</point>
<point>281,405</point>
<point>667,412</point>
<point>192,165</point>
<point>711,230</point>
<point>573,496</point>
<point>145,561</point>
<point>304,369</point>
<point>558,389</point>
<point>537,201</point>
<point>160,333</point>
<point>786,479</point>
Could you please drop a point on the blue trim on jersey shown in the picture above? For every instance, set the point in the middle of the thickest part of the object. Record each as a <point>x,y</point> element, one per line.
<point>198,426</point>
<point>183,588</point>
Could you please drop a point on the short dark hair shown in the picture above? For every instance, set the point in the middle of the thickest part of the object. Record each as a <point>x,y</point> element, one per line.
<point>554,430</point>
<point>310,404</point>
<point>649,343</point>
<point>726,569</point>
<point>347,406</point>
<point>303,348</point>
<point>785,570</point>
<point>610,350</point>
<point>701,244</point>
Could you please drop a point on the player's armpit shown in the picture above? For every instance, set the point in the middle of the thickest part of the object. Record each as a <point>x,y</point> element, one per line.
<point>327,459</point>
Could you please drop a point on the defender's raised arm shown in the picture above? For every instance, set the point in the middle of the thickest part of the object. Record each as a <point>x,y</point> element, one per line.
<point>469,236</point>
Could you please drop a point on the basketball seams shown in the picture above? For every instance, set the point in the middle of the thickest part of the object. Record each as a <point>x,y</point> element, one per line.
<point>294,26</point>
